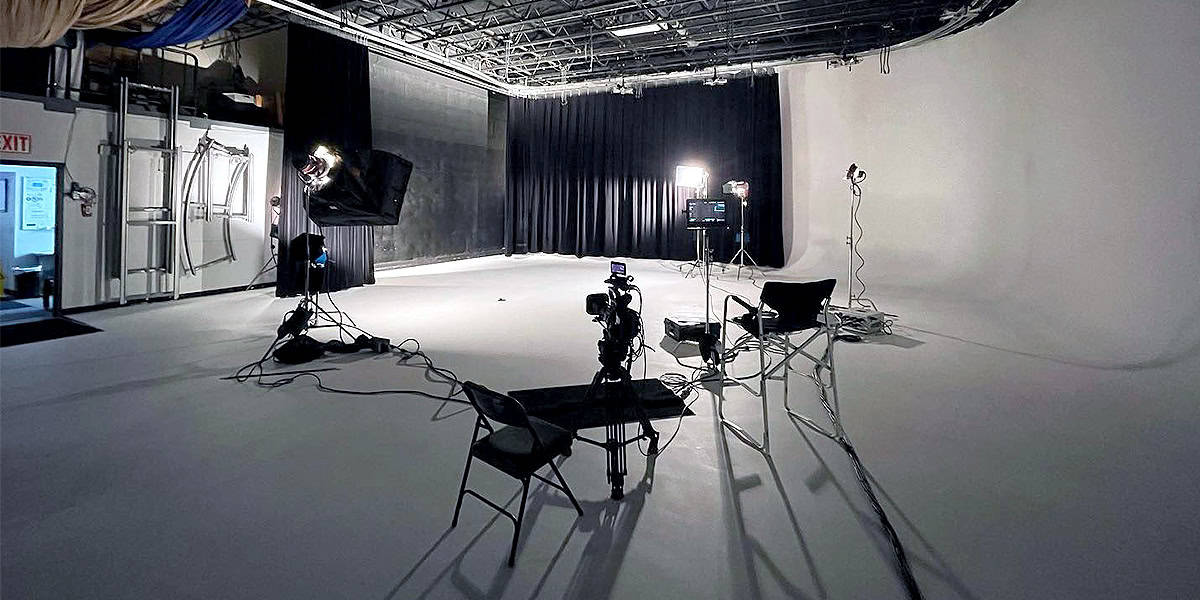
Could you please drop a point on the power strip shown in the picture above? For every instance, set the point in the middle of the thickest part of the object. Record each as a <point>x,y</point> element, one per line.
<point>861,320</point>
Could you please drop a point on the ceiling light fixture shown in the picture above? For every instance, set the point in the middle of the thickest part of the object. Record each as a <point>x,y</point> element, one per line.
<point>716,79</point>
<point>638,29</point>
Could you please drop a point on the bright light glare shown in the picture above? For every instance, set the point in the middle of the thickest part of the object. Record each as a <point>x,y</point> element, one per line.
<point>638,29</point>
<point>316,172</point>
<point>690,177</point>
<point>327,155</point>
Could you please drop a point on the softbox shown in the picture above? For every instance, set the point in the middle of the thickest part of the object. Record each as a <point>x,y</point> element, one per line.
<point>367,188</point>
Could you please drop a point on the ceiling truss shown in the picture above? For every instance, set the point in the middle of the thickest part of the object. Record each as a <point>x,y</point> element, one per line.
<point>555,43</point>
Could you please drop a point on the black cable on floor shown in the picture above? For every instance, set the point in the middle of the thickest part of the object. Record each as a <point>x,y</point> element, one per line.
<point>902,565</point>
<point>346,326</point>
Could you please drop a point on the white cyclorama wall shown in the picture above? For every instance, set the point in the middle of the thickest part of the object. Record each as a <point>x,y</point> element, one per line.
<point>76,139</point>
<point>1044,167</point>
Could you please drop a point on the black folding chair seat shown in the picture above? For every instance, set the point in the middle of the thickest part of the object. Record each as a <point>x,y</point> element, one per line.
<point>514,451</point>
<point>521,447</point>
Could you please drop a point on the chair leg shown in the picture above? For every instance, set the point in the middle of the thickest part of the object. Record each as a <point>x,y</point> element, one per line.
<point>462,490</point>
<point>512,554</point>
<point>566,488</point>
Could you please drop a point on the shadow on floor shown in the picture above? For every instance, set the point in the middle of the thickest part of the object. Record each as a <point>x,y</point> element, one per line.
<point>934,563</point>
<point>610,524</point>
<point>752,552</point>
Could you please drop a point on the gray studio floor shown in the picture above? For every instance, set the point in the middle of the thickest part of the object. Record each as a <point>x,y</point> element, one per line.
<point>130,470</point>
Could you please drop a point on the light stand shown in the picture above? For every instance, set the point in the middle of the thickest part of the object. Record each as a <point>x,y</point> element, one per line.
<point>741,189</point>
<point>694,179</point>
<point>861,315</point>
<point>273,261</point>
<point>710,339</point>
<point>855,176</point>
<point>315,174</point>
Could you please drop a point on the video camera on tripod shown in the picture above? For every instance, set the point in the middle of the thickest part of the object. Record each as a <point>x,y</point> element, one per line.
<point>619,347</point>
<point>622,323</point>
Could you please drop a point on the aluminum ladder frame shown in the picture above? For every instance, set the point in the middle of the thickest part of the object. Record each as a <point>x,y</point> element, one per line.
<point>168,215</point>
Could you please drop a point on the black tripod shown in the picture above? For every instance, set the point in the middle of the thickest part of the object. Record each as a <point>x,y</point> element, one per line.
<point>615,384</point>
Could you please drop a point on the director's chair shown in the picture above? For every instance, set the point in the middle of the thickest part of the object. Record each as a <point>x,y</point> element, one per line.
<point>784,310</point>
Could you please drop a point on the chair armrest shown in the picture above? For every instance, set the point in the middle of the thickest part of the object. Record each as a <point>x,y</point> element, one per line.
<point>743,302</point>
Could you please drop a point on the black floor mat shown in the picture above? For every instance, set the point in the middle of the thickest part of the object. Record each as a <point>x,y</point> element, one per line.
<point>565,406</point>
<point>40,331</point>
<point>13,305</point>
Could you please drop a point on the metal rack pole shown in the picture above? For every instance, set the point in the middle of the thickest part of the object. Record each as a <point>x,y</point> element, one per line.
<point>123,177</point>
<point>172,159</point>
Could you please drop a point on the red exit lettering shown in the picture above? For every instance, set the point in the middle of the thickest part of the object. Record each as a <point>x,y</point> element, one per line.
<point>17,143</point>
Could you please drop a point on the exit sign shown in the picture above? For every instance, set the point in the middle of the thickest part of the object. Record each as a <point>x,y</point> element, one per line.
<point>16,143</point>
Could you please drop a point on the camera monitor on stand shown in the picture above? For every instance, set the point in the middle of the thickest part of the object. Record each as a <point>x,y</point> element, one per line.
<point>706,213</point>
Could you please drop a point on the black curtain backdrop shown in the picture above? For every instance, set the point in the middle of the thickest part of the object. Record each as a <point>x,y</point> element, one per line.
<point>327,101</point>
<point>595,176</point>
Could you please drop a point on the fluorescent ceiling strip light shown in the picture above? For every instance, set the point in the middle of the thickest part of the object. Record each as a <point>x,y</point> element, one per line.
<point>638,29</point>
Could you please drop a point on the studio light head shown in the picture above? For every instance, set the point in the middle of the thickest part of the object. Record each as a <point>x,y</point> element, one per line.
<point>741,189</point>
<point>317,171</point>
<point>691,177</point>
<point>855,174</point>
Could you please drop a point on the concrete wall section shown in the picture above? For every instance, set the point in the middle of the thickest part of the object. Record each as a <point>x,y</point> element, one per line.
<point>455,138</point>
<point>1044,165</point>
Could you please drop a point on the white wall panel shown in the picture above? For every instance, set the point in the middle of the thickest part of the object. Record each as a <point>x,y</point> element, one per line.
<point>1045,165</point>
<point>84,282</point>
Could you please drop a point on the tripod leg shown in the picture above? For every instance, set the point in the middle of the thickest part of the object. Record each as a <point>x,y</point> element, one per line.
<point>612,437</point>
<point>631,398</point>
<point>616,459</point>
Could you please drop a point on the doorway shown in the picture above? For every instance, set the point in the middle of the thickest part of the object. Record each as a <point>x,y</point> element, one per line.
<point>31,252</point>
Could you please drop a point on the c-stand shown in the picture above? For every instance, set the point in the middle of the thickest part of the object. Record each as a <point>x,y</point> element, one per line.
<point>309,313</point>
<point>622,327</point>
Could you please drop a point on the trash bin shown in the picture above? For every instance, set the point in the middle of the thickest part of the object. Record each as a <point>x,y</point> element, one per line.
<point>27,282</point>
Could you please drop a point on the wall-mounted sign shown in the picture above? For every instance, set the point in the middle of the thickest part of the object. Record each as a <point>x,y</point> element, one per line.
<point>16,143</point>
<point>37,203</point>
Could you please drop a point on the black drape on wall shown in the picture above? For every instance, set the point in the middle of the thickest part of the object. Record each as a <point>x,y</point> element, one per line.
<point>596,176</point>
<point>327,101</point>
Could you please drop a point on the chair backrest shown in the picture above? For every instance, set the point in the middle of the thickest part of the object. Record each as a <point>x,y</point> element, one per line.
<point>496,406</point>
<point>797,302</point>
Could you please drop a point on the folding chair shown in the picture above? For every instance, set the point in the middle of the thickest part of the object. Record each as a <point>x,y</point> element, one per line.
<point>784,310</point>
<point>519,449</point>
